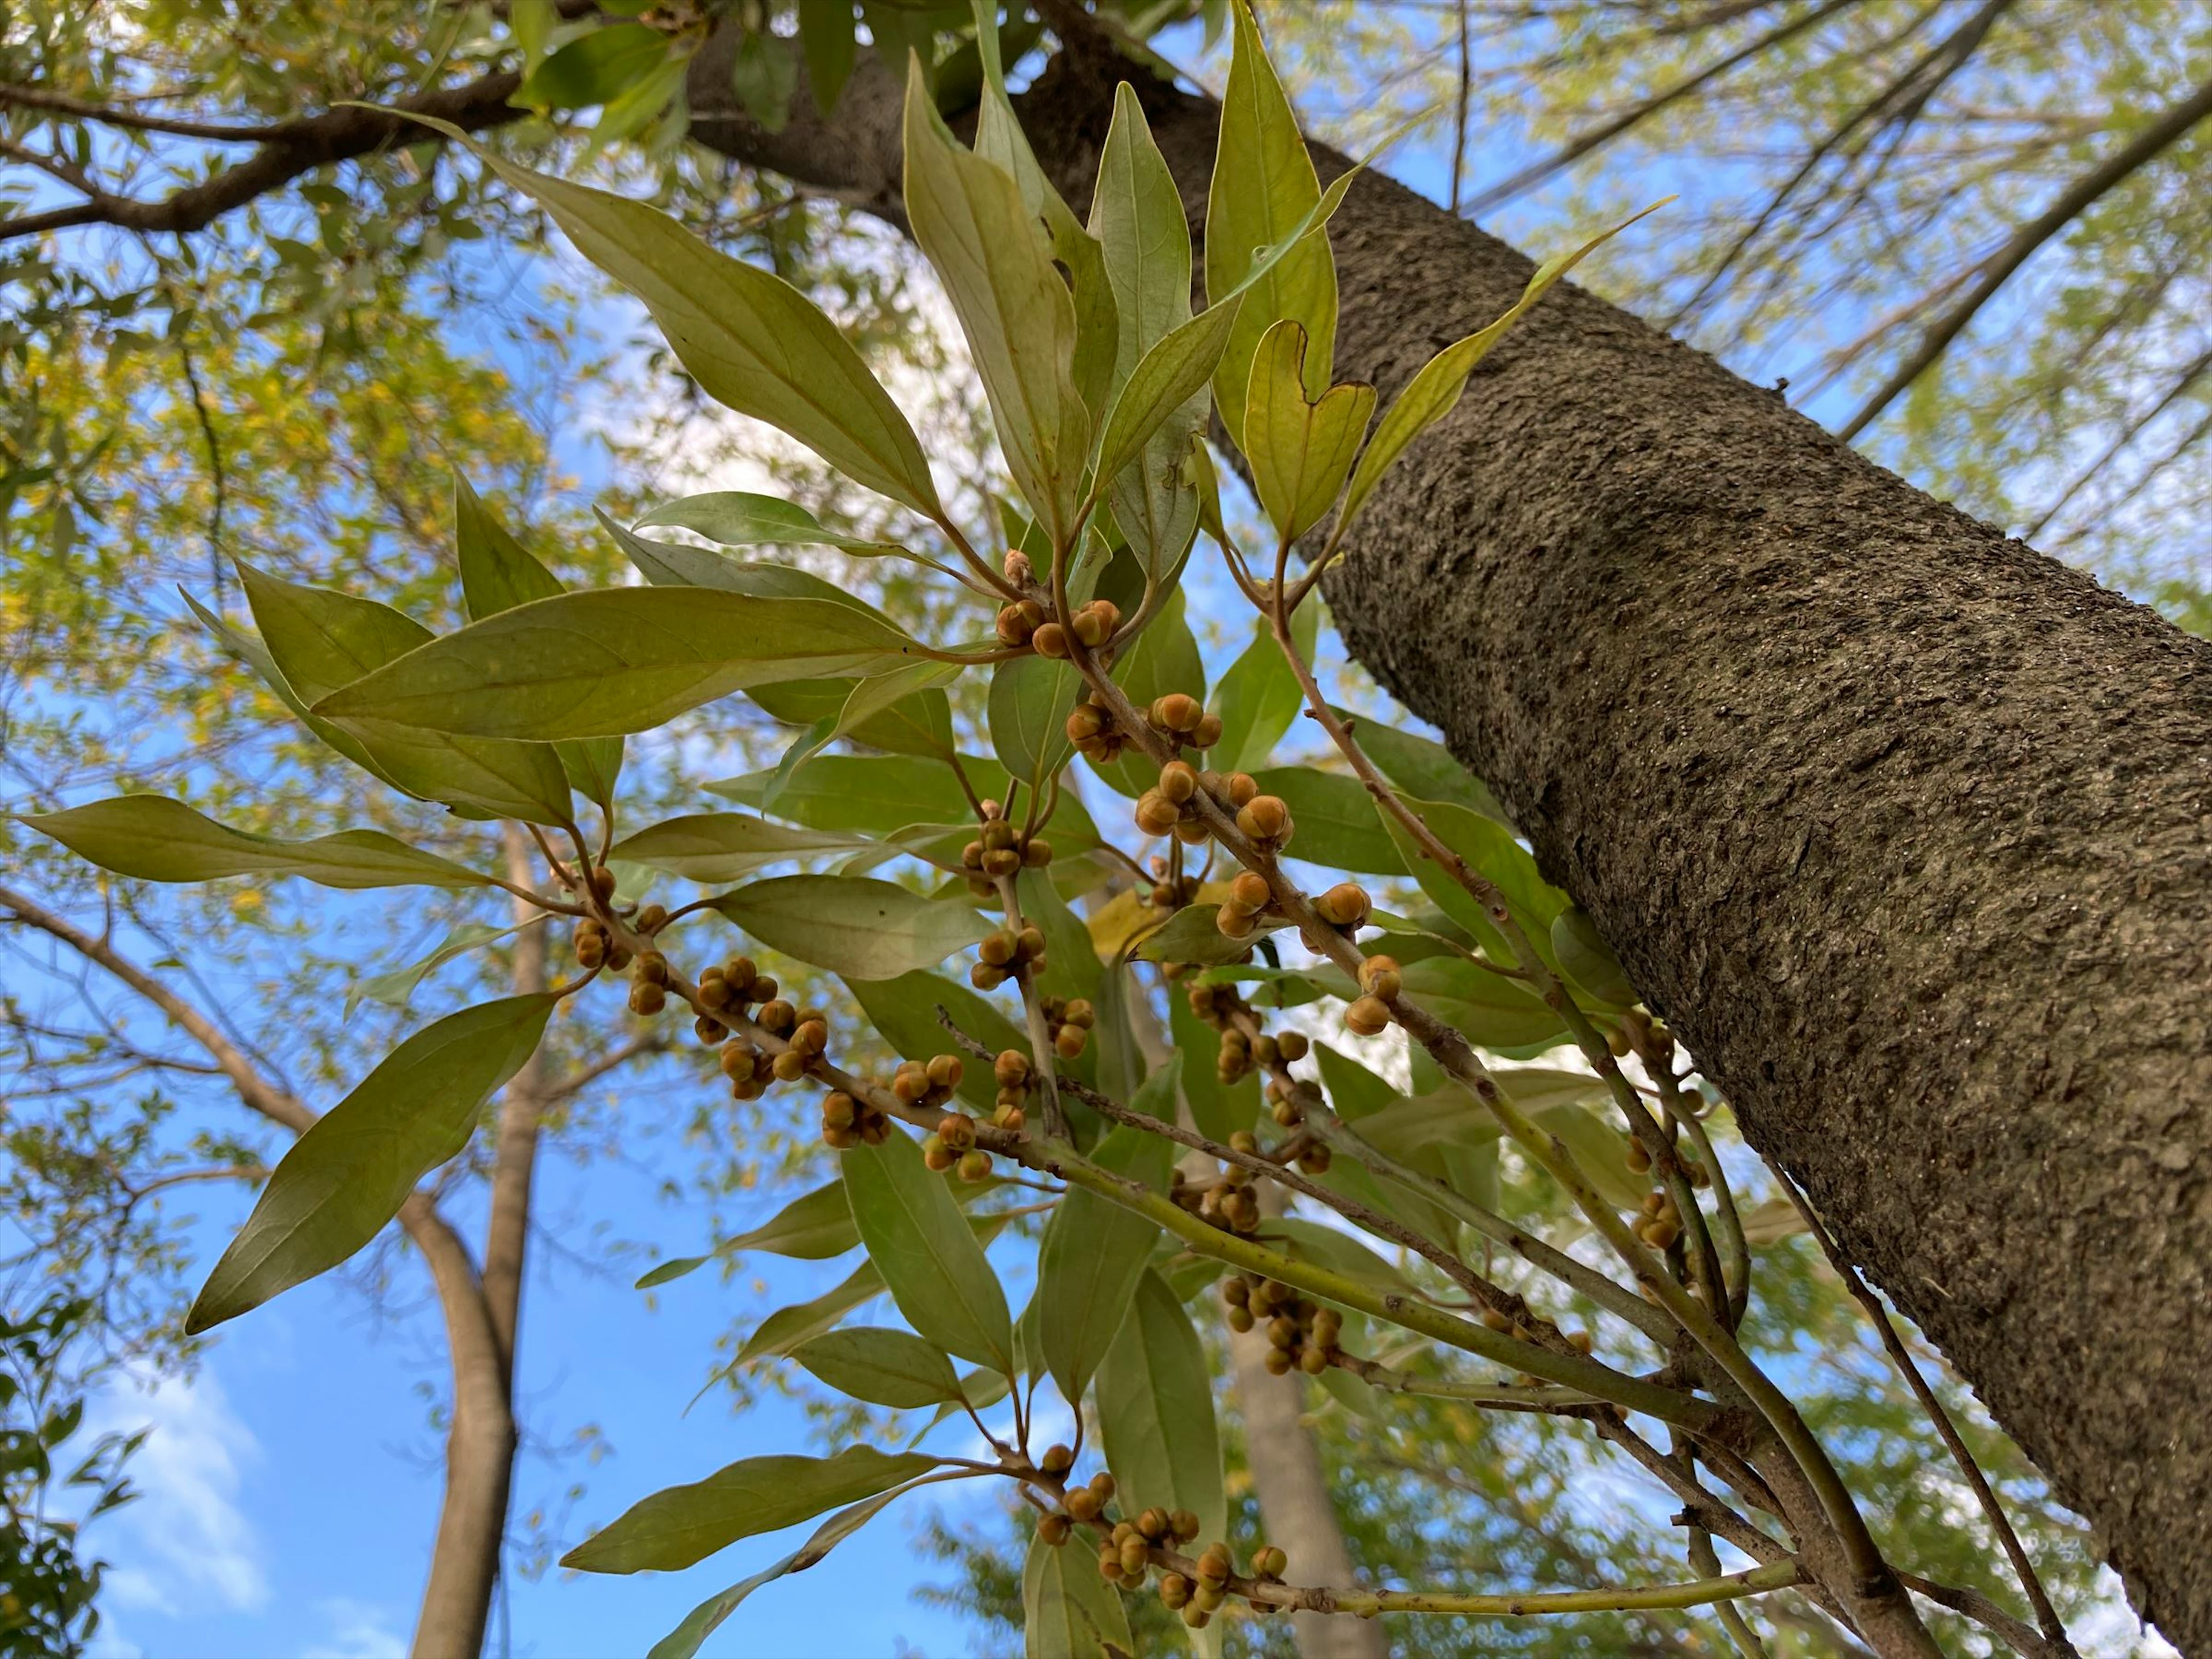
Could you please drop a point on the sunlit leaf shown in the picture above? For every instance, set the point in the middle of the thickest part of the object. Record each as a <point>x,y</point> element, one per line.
<point>1300,448</point>
<point>1337,823</point>
<point>736,518</point>
<point>1031,697</point>
<point>679,1526</point>
<point>853,926</point>
<point>348,1175</point>
<point>882,1367</point>
<point>154,838</point>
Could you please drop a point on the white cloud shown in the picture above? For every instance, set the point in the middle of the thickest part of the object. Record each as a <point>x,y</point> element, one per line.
<point>359,1630</point>
<point>184,1544</point>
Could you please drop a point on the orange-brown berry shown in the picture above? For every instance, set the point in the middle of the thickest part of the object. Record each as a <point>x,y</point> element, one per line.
<point>1367,1017</point>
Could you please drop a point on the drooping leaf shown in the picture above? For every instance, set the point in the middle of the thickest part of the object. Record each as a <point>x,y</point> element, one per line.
<point>996,263</point>
<point>922,1245</point>
<point>676,565</point>
<point>679,1526</point>
<point>1156,1411</point>
<point>787,1327</point>
<point>1263,186</point>
<point>754,343</point>
<point>829,41</point>
<point>1335,818</point>
<point>853,926</point>
<point>868,705</point>
<point>810,1228</point>
<point>321,641</point>
<point>883,1367</point>
<point>613,661</point>
<point>1068,1610</point>
<point>154,838</point>
<point>1433,392</point>
<point>1093,1254</point>
<point>1259,697</point>
<point>348,1175</point>
<point>1217,1110</point>
<point>703,1621</point>
<point>1301,448</point>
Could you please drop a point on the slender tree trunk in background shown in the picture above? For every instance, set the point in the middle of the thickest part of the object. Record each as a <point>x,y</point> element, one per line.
<point>481,1315</point>
<point>1902,826</point>
<point>1294,1500</point>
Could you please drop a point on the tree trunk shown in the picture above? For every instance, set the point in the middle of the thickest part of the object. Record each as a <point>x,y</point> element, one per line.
<point>1901,825</point>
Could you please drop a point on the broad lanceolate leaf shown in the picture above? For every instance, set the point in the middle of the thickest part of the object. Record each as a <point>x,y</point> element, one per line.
<point>156,839</point>
<point>715,847</point>
<point>752,341</point>
<point>1031,697</point>
<point>621,659</point>
<point>1014,307</point>
<point>736,518</point>
<point>1433,392</point>
<point>348,1175</point>
<point>1422,767</point>
<point>1068,1610</point>
<point>674,564</point>
<point>1588,960</point>
<point>882,1367</point>
<point>1336,819</point>
<point>1488,847</point>
<point>1164,658</point>
<point>1217,1110</point>
<point>1093,1254</point>
<point>1300,448</point>
<point>396,987</point>
<point>1259,698</point>
<point>1263,186</point>
<point>1156,1411</point>
<point>852,925</point>
<point>916,723</point>
<point>321,641</point>
<point>676,1528</point>
<point>927,1254</point>
<point>810,1228</point>
<point>915,691</point>
<point>498,573</point>
<point>903,1011</point>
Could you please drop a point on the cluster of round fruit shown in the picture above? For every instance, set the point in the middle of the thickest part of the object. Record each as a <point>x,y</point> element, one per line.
<point>1012,1072</point>
<point>1660,1222</point>
<point>999,850</point>
<point>1005,954</point>
<point>848,1122</point>
<point>1693,1171</point>
<point>750,1070</point>
<point>729,987</point>
<point>1240,1053</point>
<point>1198,1597</point>
<point>1302,1335</point>
<point>1091,729</point>
<point>1369,1014</point>
<point>1171,808</point>
<point>951,1146</point>
<point>1067,1022</point>
<point>1025,623</point>
<point>1224,1198</point>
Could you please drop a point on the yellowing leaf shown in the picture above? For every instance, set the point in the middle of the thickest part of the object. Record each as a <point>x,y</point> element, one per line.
<point>1300,450</point>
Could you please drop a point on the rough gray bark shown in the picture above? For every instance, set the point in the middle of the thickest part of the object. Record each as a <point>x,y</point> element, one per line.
<point>1900,824</point>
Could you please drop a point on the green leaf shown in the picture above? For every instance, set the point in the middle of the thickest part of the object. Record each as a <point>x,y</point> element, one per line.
<point>907,702</point>
<point>615,661</point>
<point>1217,1110</point>
<point>926,1253</point>
<point>1156,1411</point>
<point>156,839</point>
<point>734,519</point>
<point>1259,698</point>
<point>1031,697</point>
<point>397,988</point>
<point>1071,965</point>
<point>873,793</point>
<point>1488,1008</point>
<point>350,1172</point>
<point>1301,448</point>
<point>787,1327</point>
<point>1433,392</point>
<point>996,263</point>
<point>811,1228</point>
<point>1093,1254</point>
<point>765,73</point>
<point>1421,767</point>
<point>918,723</point>
<point>321,641</point>
<point>1488,847</point>
<point>682,1641</point>
<point>593,68</point>
<point>715,847</point>
<point>1164,658</point>
<point>1068,1610</point>
<point>674,564</point>
<point>1263,187</point>
<point>882,1367</point>
<point>1193,934</point>
<point>682,1525</point>
<point>1337,823</point>
<point>852,925</point>
<point>826,35</point>
<point>498,573</point>
<point>903,1012</point>
<point>1136,214</point>
<point>754,343</point>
